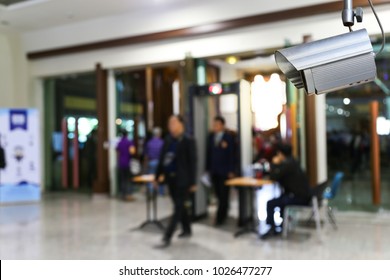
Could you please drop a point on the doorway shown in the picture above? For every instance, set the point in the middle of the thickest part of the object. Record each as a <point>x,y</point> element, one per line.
<point>70,120</point>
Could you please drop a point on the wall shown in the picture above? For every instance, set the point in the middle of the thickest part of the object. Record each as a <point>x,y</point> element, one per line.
<point>228,74</point>
<point>241,40</point>
<point>7,85</point>
<point>17,88</point>
<point>137,22</point>
<point>14,75</point>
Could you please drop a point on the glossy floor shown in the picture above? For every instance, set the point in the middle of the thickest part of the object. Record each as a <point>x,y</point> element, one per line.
<point>356,193</point>
<point>70,226</point>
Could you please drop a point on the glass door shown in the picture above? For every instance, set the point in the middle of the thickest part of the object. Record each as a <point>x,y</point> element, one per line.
<point>77,155</point>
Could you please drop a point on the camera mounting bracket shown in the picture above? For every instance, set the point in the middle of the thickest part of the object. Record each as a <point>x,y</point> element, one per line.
<point>349,14</point>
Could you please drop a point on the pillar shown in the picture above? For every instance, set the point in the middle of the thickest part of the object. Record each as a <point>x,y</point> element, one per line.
<point>49,127</point>
<point>292,105</point>
<point>187,76</point>
<point>201,72</point>
<point>315,136</point>
<point>112,114</point>
<point>102,182</point>
<point>201,80</point>
<point>375,155</point>
<point>149,98</point>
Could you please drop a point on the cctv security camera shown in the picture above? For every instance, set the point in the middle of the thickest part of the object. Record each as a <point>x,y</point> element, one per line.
<point>330,64</point>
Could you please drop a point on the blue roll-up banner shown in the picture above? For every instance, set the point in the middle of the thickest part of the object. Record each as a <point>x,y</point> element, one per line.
<point>20,173</point>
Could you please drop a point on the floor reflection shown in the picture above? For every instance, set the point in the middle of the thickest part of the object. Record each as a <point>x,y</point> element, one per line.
<point>70,226</point>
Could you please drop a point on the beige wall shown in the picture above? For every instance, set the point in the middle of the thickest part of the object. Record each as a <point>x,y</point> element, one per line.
<point>17,88</point>
<point>14,75</point>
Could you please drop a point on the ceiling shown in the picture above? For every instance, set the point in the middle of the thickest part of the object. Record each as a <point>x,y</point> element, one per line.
<point>254,64</point>
<point>28,15</point>
<point>37,14</point>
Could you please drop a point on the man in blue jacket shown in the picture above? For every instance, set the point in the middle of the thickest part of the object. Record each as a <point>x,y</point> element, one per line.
<point>220,165</point>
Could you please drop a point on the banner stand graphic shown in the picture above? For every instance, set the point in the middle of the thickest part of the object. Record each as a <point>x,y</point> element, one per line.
<point>20,146</point>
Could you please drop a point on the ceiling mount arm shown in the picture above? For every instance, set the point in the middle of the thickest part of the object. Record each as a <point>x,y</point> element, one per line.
<point>348,14</point>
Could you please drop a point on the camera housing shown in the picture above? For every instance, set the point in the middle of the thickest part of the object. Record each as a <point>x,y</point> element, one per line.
<point>329,64</point>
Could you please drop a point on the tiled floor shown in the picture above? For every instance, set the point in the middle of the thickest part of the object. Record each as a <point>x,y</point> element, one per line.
<point>71,226</point>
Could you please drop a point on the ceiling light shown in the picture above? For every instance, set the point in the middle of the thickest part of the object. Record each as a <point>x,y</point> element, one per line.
<point>346,101</point>
<point>232,59</point>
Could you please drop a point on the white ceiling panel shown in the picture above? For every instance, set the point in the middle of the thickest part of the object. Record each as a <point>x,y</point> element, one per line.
<point>40,14</point>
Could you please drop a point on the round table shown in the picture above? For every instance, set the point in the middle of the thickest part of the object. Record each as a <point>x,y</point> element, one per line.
<point>151,195</point>
<point>251,184</point>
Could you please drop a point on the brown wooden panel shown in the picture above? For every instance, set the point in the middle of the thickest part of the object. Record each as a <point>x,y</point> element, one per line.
<point>149,98</point>
<point>294,129</point>
<point>311,139</point>
<point>375,155</point>
<point>311,133</point>
<point>205,29</point>
<point>163,79</point>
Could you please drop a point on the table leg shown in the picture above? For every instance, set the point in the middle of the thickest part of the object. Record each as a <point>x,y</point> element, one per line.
<point>151,195</point>
<point>154,218</point>
<point>251,223</point>
<point>255,218</point>
<point>148,220</point>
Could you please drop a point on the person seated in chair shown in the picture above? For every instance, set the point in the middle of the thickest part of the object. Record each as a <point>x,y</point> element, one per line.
<point>288,173</point>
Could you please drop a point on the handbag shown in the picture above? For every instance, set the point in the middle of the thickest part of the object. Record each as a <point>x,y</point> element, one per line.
<point>2,158</point>
<point>135,166</point>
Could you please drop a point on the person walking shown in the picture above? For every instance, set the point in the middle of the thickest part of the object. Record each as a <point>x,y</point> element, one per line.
<point>125,150</point>
<point>177,163</point>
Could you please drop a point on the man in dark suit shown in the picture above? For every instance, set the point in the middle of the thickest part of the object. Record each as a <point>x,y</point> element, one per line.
<point>220,165</point>
<point>177,163</point>
<point>288,173</point>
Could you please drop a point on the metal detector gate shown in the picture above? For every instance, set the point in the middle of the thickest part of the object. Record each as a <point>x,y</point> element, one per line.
<point>233,102</point>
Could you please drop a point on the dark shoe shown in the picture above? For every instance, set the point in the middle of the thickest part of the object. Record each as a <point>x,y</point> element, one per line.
<point>278,231</point>
<point>185,235</point>
<point>165,244</point>
<point>270,233</point>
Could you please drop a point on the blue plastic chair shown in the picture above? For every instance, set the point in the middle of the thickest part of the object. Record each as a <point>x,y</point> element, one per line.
<point>330,193</point>
<point>319,206</point>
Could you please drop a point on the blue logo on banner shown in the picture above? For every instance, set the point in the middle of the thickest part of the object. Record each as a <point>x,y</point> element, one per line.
<point>18,119</point>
